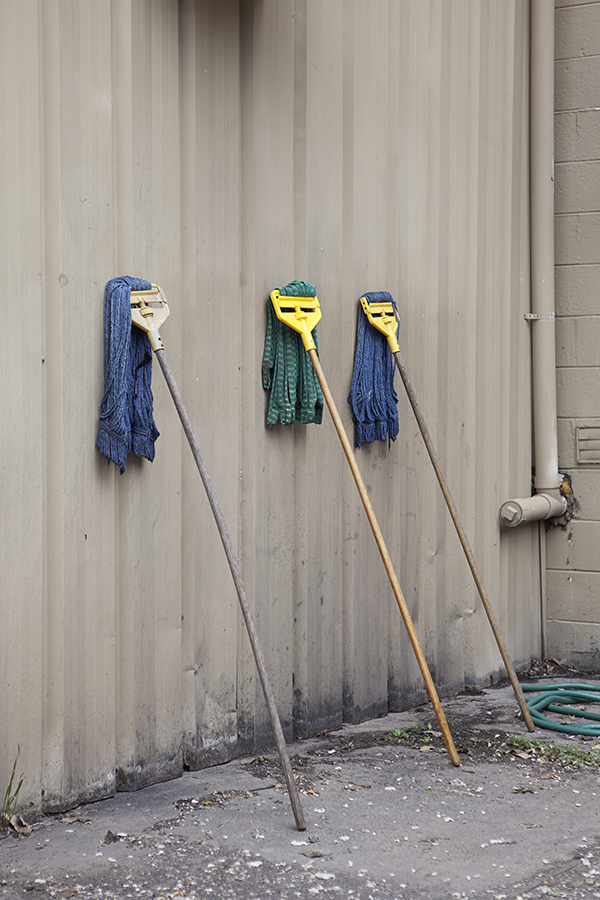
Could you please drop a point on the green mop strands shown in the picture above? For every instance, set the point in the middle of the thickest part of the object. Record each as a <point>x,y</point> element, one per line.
<point>287,372</point>
<point>126,416</point>
<point>372,396</point>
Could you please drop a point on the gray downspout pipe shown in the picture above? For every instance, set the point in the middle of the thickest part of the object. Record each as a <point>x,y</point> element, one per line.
<point>547,502</point>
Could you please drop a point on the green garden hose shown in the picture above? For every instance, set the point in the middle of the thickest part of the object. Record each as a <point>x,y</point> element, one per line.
<point>547,698</point>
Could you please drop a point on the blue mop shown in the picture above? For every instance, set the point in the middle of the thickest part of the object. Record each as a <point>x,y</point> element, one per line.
<point>128,420</point>
<point>126,416</point>
<point>372,397</point>
<point>381,312</point>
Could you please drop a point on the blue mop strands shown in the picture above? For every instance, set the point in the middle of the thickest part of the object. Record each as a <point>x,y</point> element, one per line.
<point>287,371</point>
<point>126,419</point>
<point>372,396</point>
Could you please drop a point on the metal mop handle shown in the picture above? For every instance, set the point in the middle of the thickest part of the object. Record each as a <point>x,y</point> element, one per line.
<point>465,543</point>
<point>158,348</point>
<point>381,315</point>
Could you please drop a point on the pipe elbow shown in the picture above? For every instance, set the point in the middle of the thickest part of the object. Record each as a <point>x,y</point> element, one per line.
<point>540,506</point>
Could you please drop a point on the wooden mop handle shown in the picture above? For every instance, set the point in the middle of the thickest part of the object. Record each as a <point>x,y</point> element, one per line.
<point>386,559</point>
<point>463,539</point>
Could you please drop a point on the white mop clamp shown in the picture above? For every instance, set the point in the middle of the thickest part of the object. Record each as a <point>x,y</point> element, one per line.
<point>149,309</point>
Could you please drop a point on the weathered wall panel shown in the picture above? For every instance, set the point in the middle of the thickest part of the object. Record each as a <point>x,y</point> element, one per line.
<point>222,149</point>
<point>21,410</point>
<point>267,248</point>
<point>211,378</point>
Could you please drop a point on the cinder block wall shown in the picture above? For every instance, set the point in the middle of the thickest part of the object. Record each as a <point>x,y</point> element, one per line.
<point>573,576</point>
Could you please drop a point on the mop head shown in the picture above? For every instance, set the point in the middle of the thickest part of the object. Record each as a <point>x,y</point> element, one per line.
<point>126,420</point>
<point>287,370</point>
<point>372,396</point>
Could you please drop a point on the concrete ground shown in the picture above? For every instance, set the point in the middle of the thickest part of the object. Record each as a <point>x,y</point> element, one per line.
<point>388,818</point>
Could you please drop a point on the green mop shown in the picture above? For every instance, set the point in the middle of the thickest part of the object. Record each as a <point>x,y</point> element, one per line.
<point>286,369</point>
<point>301,313</point>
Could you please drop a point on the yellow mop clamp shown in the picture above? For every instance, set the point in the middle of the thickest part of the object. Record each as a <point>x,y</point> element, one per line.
<point>300,313</point>
<point>381,315</point>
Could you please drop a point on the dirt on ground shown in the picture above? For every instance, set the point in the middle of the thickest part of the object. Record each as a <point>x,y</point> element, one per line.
<point>388,818</point>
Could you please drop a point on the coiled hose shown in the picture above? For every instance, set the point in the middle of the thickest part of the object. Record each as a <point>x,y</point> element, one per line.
<point>547,698</point>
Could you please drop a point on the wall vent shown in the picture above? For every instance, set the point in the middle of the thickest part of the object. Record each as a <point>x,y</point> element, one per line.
<point>588,445</point>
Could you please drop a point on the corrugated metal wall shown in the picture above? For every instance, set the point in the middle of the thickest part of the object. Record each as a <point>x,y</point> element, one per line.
<point>221,149</point>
